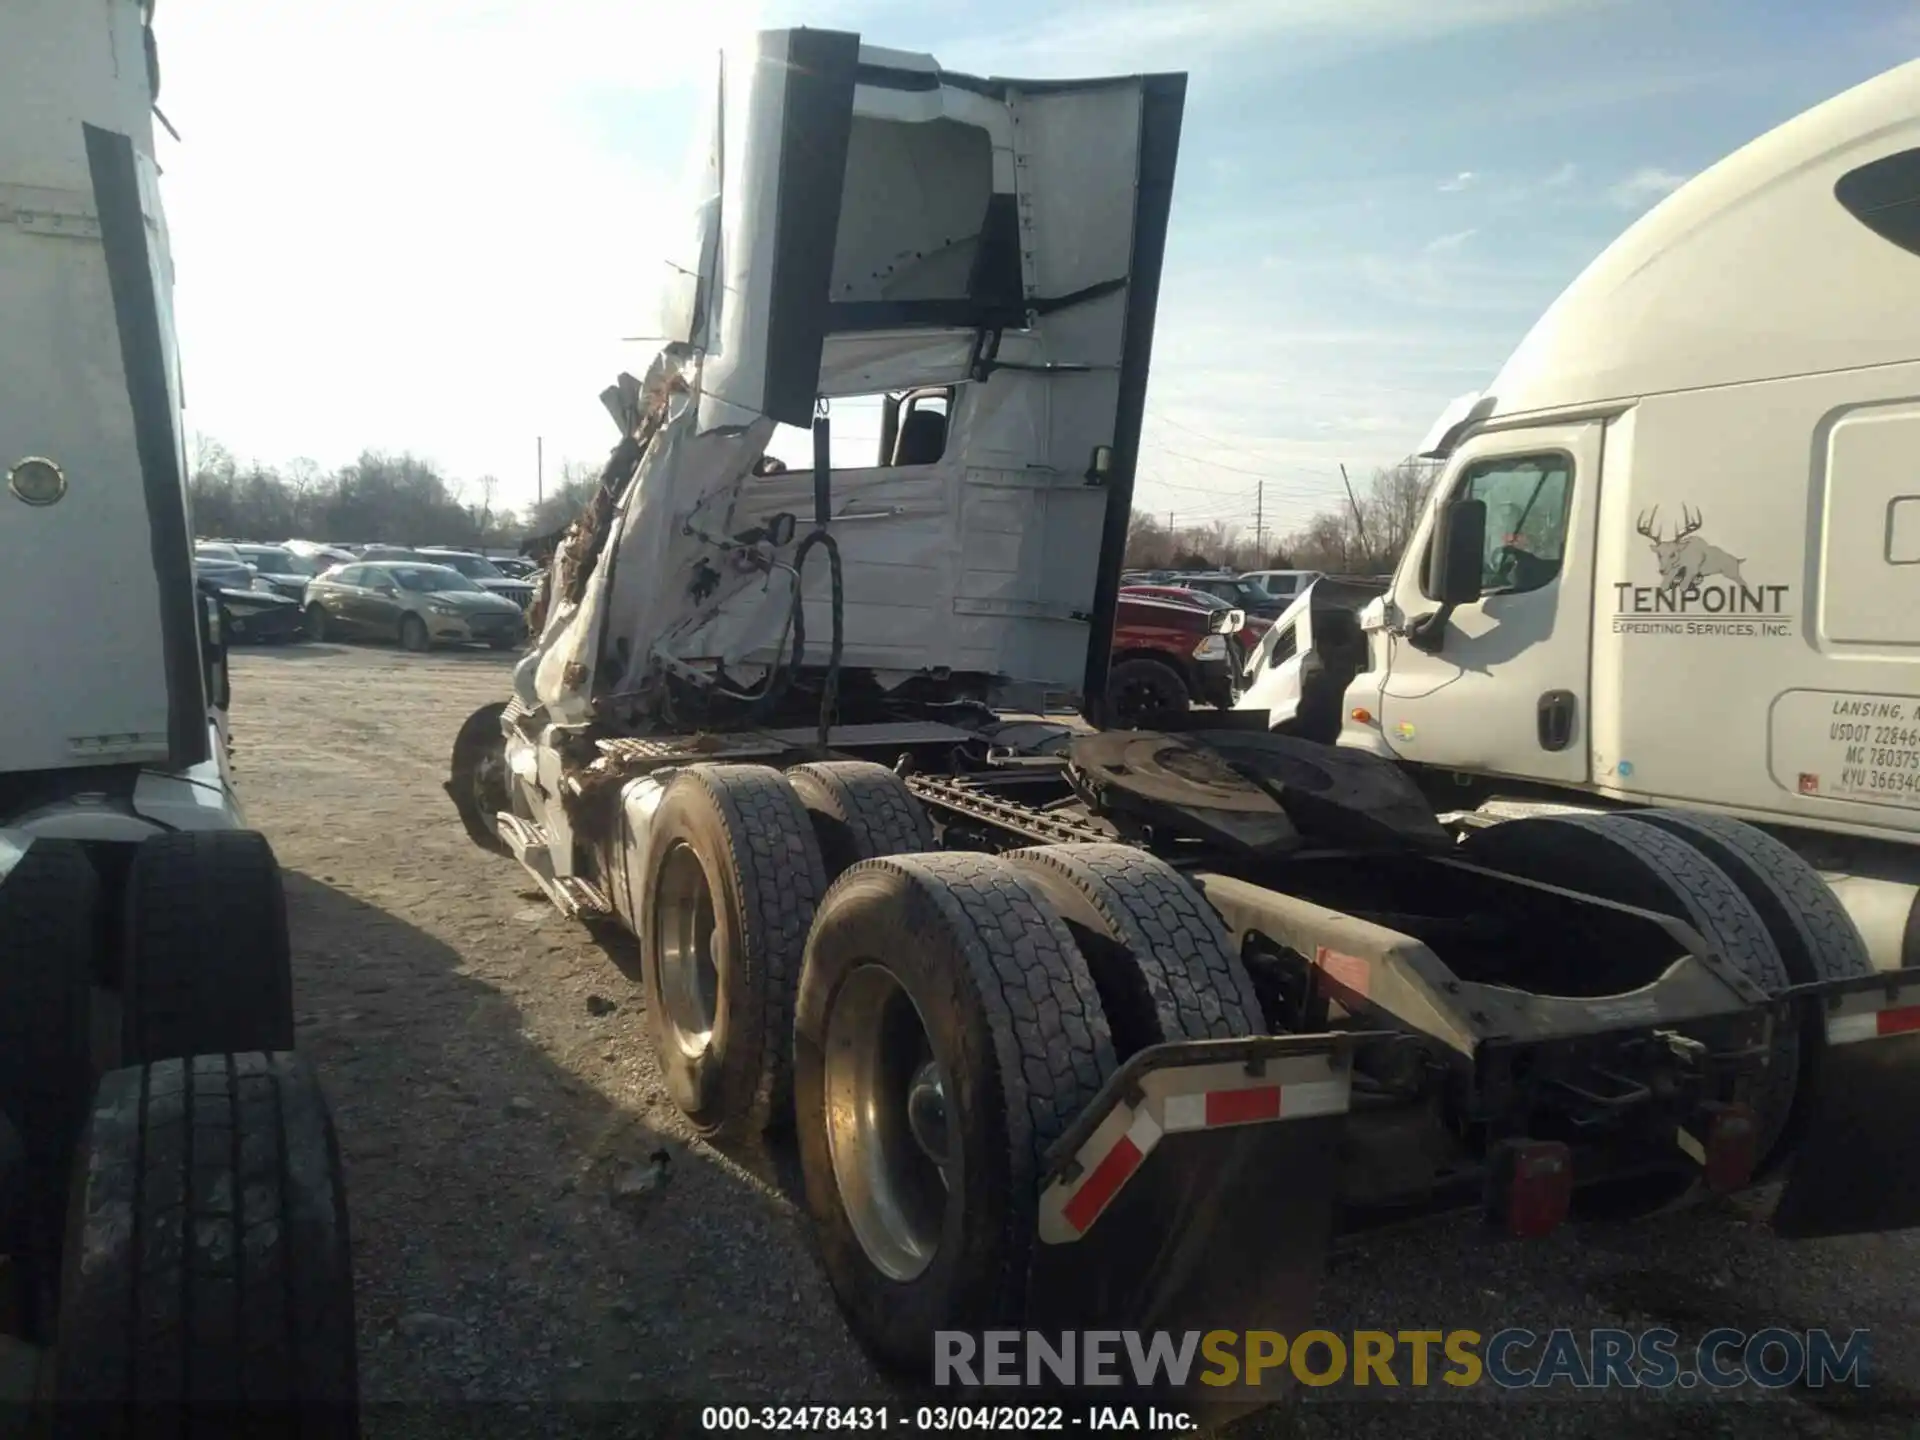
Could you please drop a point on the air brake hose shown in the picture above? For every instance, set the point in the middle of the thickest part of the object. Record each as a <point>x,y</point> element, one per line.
<point>822,514</point>
<point>822,517</point>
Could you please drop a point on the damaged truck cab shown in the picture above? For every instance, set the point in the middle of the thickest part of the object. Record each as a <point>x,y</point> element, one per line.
<point>1079,1025</point>
<point>985,254</point>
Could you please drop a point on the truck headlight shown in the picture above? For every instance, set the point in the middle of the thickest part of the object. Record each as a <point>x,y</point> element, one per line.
<point>1214,647</point>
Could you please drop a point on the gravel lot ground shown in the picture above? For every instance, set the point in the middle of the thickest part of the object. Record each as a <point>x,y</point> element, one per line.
<point>537,1235</point>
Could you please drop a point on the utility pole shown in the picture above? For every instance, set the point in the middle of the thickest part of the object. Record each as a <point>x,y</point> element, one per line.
<point>1359,523</point>
<point>539,470</point>
<point>1259,523</point>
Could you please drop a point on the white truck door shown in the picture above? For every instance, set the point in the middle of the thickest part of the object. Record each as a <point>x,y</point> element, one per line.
<point>1506,693</point>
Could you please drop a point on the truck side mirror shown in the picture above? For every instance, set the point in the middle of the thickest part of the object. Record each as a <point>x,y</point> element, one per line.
<point>1454,569</point>
<point>1459,552</point>
<point>213,652</point>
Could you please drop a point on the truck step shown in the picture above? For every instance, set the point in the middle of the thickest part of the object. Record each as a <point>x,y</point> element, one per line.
<point>526,839</point>
<point>581,899</point>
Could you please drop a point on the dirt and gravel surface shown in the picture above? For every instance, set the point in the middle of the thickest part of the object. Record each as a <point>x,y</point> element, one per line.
<point>541,1247</point>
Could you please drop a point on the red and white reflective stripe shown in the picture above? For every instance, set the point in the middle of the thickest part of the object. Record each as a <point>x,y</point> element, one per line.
<point>1194,1110</point>
<point>1872,1024</point>
<point>1116,1167</point>
<point>1209,1109</point>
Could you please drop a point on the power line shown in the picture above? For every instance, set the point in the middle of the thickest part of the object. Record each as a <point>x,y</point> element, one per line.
<point>1207,490</point>
<point>1234,445</point>
<point>1266,474</point>
<point>1239,447</point>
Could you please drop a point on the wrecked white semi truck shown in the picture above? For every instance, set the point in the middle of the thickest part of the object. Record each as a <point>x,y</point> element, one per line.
<point>1114,1028</point>
<point>173,1233</point>
<point>1697,574</point>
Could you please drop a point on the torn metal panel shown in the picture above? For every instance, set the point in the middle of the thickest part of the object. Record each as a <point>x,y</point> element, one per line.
<point>975,236</point>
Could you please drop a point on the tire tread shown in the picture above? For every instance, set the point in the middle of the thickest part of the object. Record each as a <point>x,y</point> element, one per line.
<point>862,810</point>
<point>208,957</point>
<point>1170,936</point>
<point>210,1267</point>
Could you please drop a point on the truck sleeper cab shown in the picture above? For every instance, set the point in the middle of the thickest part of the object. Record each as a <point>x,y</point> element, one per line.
<point>1699,585</point>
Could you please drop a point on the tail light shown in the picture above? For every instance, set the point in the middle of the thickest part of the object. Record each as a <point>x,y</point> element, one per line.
<point>1533,1187</point>
<point>1732,1148</point>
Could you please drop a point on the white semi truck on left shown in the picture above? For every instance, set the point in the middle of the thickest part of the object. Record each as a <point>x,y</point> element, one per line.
<point>172,1218</point>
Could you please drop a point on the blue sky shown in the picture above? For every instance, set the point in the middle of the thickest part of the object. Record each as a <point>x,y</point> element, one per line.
<point>427,226</point>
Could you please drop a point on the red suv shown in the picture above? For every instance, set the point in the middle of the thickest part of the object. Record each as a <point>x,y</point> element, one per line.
<point>1168,655</point>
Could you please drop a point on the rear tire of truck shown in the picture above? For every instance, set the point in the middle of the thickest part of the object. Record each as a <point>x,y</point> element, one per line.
<point>733,879</point>
<point>209,965</point>
<point>860,811</point>
<point>209,1275</point>
<point>944,1011</point>
<point>1626,860</point>
<point>1142,693</point>
<point>49,916</point>
<point>1162,961</point>
<point>1816,937</point>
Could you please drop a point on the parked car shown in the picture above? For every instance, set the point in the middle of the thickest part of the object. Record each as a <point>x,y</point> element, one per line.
<point>1169,655</point>
<point>252,615</point>
<point>220,552</point>
<point>476,568</point>
<point>419,605</point>
<point>1283,585</point>
<point>485,573</point>
<point>228,573</point>
<point>1248,635</point>
<point>323,556</point>
<point>1237,590</point>
<point>283,571</point>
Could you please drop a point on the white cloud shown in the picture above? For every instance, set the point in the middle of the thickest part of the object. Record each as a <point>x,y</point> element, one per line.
<point>1644,186</point>
<point>1442,244</point>
<point>1562,177</point>
<point>1458,182</point>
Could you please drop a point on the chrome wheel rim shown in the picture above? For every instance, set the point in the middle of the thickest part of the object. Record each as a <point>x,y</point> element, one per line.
<point>686,943</point>
<point>889,1123</point>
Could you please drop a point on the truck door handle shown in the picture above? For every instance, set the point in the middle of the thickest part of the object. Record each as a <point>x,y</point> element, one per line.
<point>1556,719</point>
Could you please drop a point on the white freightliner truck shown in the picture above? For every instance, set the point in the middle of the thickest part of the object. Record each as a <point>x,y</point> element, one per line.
<point>1700,582</point>
<point>173,1238</point>
<point>1076,1029</point>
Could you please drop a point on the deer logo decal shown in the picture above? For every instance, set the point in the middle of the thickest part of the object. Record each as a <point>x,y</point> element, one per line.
<point>1684,558</point>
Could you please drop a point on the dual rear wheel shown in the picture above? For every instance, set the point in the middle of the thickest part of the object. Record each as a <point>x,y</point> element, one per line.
<point>930,1022</point>
<point>200,1179</point>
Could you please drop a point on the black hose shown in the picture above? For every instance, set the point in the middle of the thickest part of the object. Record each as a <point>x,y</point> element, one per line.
<point>830,690</point>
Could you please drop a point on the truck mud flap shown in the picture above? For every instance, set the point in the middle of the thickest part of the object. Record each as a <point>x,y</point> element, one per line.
<point>1857,1167</point>
<point>1196,1194</point>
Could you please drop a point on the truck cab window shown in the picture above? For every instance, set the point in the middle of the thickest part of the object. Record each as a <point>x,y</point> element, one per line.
<point>1884,196</point>
<point>1527,506</point>
<point>871,432</point>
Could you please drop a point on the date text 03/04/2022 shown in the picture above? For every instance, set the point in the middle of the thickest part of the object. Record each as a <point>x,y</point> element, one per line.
<point>939,1419</point>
